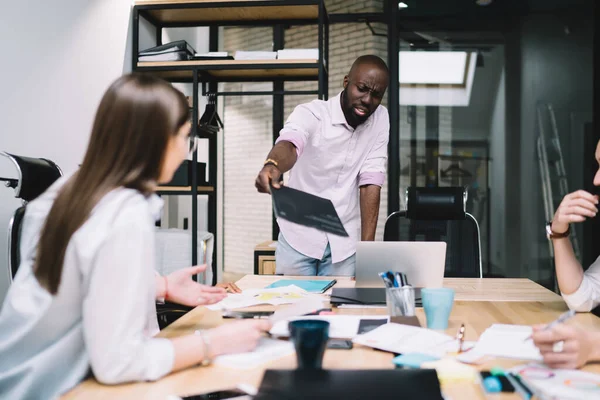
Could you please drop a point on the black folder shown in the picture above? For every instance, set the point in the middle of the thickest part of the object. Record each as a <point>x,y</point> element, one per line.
<point>364,296</point>
<point>307,209</point>
<point>383,384</point>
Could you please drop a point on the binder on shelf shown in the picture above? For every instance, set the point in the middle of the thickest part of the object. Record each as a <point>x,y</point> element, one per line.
<point>183,175</point>
<point>173,51</point>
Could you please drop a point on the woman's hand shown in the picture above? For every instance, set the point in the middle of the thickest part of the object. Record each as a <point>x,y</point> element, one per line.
<point>565,346</point>
<point>236,337</point>
<point>575,207</point>
<point>182,289</point>
<point>229,287</point>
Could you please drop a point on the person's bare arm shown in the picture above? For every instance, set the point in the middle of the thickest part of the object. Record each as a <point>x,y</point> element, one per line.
<point>369,211</point>
<point>232,337</point>
<point>575,207</point>
<point>284,154</point>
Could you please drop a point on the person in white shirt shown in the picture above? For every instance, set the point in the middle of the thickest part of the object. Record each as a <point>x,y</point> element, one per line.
<point>84,295</point>
<point>566,346</point>
<point>335,149</point>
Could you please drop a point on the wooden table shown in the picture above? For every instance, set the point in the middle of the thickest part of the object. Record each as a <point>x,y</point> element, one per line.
<point>479,304</point>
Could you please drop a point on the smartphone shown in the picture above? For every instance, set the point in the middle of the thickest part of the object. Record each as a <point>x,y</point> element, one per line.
<point>505,385</point>
<point>247,314</point>
<point>219,395</point>
<point>339,344</point>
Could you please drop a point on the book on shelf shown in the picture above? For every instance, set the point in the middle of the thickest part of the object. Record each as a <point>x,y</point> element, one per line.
<point>212,55</point>
<point>298,54</point>
<point>174,51</point>
<point>255,55</point>
<point>174,56</point>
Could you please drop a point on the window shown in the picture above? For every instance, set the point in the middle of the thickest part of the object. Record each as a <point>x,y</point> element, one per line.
<point>434,68</point>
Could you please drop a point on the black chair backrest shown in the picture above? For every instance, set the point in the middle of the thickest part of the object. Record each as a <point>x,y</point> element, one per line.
<point>14,239</point>
<point>438,214</point>
<point>35,175</point>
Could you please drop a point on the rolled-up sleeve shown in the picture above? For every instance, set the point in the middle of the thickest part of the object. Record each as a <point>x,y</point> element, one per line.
<point>116,308</point>
<point>301,123</point>
<point>372,171</point>
<point>587,296</point>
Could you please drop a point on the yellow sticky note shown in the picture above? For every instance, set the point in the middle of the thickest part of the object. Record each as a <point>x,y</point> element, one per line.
<point>450,370</point>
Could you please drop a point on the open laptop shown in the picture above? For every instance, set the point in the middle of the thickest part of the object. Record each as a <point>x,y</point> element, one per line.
<point>423,264</point>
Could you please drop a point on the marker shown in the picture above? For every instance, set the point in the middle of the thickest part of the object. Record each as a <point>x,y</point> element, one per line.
<point>523,389</point>
<point>391,277</point>
<point>388,283</point>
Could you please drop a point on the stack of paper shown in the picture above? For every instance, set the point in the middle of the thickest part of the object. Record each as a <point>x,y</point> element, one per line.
<point>252,297</point>
<point>399,338</point>
<point>509,341</point>
<point>298,54</point>
<point>255,55</point>
<point>267,350</point>
<point>564,384</point>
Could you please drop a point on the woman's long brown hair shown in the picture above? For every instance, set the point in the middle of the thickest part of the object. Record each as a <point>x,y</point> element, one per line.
<point>136,117</point>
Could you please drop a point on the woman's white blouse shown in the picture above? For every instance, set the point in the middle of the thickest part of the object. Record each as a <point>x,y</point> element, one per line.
<point>587,296</point>
<point>104,313</point>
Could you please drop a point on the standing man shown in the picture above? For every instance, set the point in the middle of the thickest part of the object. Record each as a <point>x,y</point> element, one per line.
<point>335,149</point>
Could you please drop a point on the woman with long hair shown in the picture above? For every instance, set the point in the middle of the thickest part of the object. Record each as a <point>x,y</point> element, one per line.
<point>84,295</point>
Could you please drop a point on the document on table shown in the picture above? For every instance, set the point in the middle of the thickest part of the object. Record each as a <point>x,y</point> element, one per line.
<point>267,350</point>
<point>508,341</point>
<point>399,338</point>
<point>340,326</point>
<point>563,384</point>
<point>252,297</point>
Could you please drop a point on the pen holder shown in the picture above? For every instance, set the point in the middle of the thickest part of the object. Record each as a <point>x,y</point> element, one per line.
<point>400,301</point>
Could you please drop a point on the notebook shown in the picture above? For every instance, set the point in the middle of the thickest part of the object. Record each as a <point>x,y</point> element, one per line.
<point>313,286</point>
<point>307,209</point>
<point>382,384</point>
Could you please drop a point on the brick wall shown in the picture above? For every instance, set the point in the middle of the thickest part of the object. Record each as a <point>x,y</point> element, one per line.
<point>248,123</point>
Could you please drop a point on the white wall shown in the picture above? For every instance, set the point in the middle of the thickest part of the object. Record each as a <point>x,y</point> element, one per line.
<point>57,60</point>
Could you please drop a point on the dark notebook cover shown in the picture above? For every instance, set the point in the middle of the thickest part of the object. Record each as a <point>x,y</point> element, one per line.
<point>422,384</point>
<point>306,209</point>
<point>171,47</point>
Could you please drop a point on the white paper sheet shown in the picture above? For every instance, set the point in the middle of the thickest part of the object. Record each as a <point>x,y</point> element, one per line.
<point>252,297</point>
<point>508,341</point>
<point>267,350</point>
<point>302,307</point>
<point>399,338</point>
<point>341,326</point>
<point>561,384</point>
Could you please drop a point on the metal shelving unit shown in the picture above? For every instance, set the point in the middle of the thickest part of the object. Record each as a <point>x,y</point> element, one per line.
<point>188,13</point>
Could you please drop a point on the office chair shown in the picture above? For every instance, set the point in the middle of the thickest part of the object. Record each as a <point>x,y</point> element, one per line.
<point>439,214</point>
<point>35,175</point>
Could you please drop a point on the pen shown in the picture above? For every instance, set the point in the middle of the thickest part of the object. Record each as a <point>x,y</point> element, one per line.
<point>525,391</point>
<point>562,318</point>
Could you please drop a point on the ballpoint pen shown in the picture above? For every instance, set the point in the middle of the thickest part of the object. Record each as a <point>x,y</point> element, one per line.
<point>460,336</point>
<point>562,318</point>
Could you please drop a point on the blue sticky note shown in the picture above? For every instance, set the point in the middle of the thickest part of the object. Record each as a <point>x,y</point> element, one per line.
<point>413,360</point>
<point>313,286</point>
